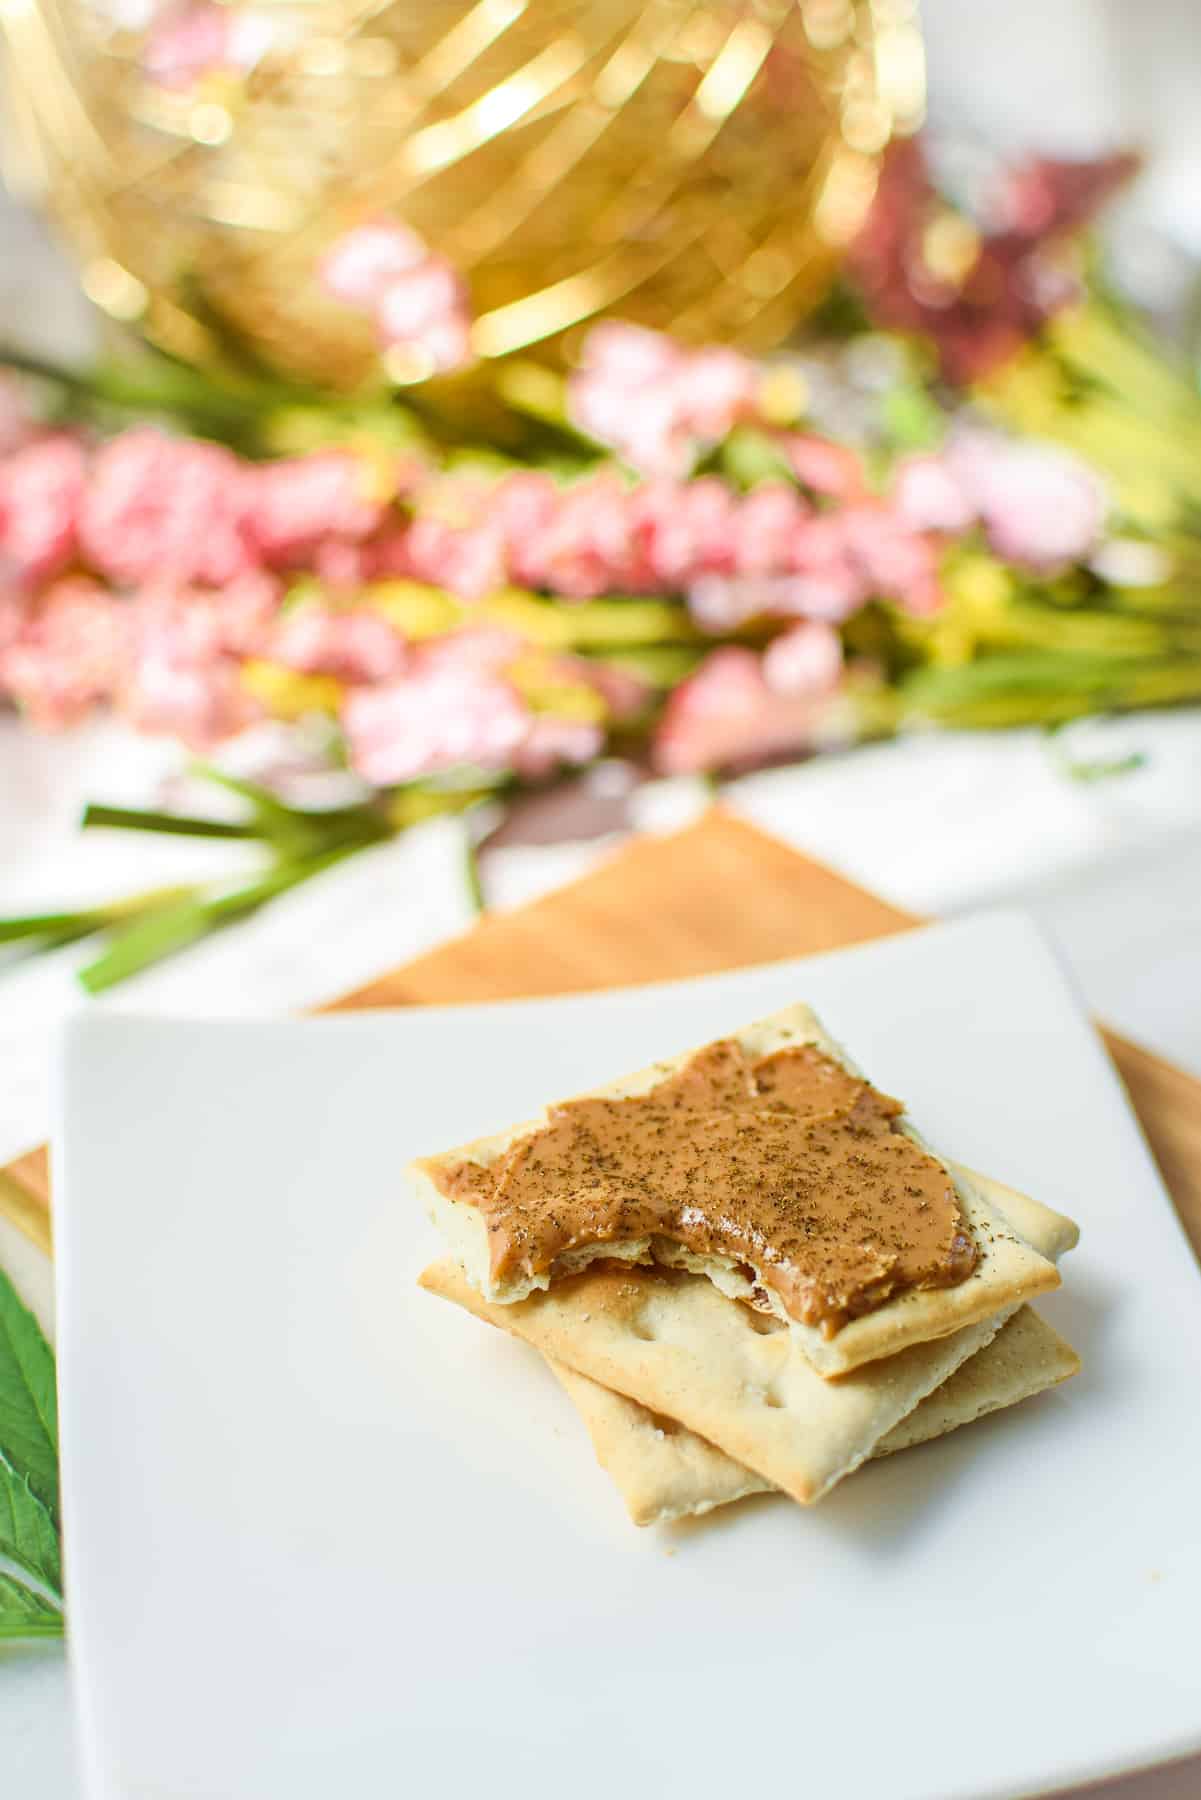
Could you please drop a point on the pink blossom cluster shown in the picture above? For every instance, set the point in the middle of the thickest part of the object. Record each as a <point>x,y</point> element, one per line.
<point>739,707</point>
<point>190,42</point>
<point>768,553</point>
<point>142,572</point>
<point>455,704</point>
<point>146,571</point>
<point>417,300</point>
<point>169,658</point>
<point>1039,506</point>
<point>145,507</point>
<point>655,402</point>
<point>172,659</point>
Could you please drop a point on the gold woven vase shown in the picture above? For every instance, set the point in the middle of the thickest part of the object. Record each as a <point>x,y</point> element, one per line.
<point>694,166</point>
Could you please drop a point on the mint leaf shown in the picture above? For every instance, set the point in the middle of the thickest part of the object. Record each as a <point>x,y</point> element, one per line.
<point>24,1614</point>
<point>27,1534</point>
<point>28,1402</point>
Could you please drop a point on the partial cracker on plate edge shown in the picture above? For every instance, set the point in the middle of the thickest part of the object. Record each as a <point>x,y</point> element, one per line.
<point>1008,1272</point>
<point>837,1425</point>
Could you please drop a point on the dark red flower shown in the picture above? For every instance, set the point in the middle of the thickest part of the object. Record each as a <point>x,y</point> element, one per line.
<point>978,291</point>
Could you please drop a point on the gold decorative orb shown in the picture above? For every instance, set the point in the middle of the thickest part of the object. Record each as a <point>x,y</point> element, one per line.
<point>694,165</point>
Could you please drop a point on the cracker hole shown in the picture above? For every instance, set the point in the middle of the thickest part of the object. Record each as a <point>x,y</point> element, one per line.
<point>764,1323</point>
<point>644,1331</point>
<point>771,1398</point>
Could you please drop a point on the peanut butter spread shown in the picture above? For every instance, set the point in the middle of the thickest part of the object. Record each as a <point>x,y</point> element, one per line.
<point>788,1164</point>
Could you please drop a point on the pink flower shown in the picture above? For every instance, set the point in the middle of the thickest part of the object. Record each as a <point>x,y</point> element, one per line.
<point>826,468</point>
<point>806,659</point>
<point>680,529</point>
<point>896,562</point>
<point>202,705</point>
<point>642,425</point>
<point>417,299</point>
<point>716,388</point>
<point>453,707</point>
<point>484,649</point>
<point>470,562</point>
<point>361,266</point>
<point>727,714</point>
<point>1040,506</point>
<point>765,528</point>
<point>41,491</point>
<point>200,39</point>
<point>425,311</point>
<point>521,505</point>
<point>343,567</point>
<point>438,716</point>
<point>928,496</point>
<point>356,646</point>
<point>653,401</point>
<point>550,743</point>
<point>240,614</point>
<point>165,509</point>
<point>722,603</point>
<point>293,504</point>
<point>67,654</point>
<point>630,355</point>
<point>584,546</point>
<point>178,679</point>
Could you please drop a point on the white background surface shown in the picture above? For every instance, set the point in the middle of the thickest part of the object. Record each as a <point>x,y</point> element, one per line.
<point>1114,870</point>
<point>334,1481</point>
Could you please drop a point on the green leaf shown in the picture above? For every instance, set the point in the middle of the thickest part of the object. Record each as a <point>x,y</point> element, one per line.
<point>24,1614</point>
<point>28,1401</point>
<point>27,1534</point>
<point>1104,768</point>
<point>912,418</point>
<point>748,458</point>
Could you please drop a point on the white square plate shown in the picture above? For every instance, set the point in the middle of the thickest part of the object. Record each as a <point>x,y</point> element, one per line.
<point>329,1537</point>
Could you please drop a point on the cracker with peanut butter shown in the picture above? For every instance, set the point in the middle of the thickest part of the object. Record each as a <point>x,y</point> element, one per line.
<point>671,1341</point>
<point>765,1162</point>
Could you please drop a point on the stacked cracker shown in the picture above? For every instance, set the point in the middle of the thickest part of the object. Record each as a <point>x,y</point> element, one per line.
<point>694,1398</point>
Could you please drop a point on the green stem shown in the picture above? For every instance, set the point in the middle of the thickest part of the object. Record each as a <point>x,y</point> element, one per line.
<point>62,927</point>
<point>166,388</point>
<point>38,925</point>
<point>471,872</point>
<point>128,818</point>
<point>150,940</point>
